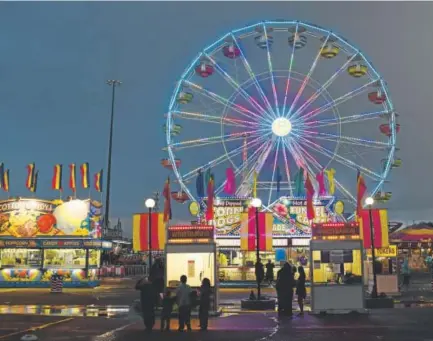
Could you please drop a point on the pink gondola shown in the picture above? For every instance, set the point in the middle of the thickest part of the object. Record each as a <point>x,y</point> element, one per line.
<point>231,51</point>
<point>166,163</point>
<point>386,129</point>
<point>204,69</point>
<point>377,97</point>
<point>179,197</point>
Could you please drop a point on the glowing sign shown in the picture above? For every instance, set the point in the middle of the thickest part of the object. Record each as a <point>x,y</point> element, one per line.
<point>227,215</point>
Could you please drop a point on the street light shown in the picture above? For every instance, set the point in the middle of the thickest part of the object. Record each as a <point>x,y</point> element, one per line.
<point>369,201</point>
<point>257,203</point>
<point>150,204</point>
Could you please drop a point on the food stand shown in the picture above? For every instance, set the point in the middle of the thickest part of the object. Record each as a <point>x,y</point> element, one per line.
<point>40,238</point>
<point>337,268</point>
<point>191,251</point>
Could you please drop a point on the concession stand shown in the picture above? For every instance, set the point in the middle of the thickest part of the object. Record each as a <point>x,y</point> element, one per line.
<point>336,252</point>
<point>42,238</point>
<point>191,250</point>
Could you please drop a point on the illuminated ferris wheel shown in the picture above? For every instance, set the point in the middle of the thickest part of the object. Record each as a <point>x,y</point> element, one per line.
<point>275,97</point>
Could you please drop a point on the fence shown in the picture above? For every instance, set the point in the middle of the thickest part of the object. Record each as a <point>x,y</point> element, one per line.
<point>123,271</point>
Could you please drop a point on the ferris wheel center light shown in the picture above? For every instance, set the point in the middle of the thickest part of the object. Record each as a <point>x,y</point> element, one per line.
<point>281,126</point>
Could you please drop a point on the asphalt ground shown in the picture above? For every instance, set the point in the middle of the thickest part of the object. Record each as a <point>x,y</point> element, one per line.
<point>393,324</point>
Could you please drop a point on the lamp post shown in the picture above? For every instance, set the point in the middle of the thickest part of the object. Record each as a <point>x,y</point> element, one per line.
<point>113,83</point>
<point>257,203</point>
<point>369,203</point>
<point>150,204</point>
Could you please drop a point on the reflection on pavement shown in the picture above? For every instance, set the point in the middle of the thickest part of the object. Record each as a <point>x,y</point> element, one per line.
<point>59,310</point>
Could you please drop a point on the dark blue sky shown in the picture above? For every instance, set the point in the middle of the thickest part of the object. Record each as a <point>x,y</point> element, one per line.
<point>55,58</point>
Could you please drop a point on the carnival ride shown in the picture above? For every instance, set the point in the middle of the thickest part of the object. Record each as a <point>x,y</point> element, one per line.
<point>266,101</point>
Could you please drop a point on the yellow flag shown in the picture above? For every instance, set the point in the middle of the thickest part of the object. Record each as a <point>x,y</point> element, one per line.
<point>330,173</point>
<point>255,185</point>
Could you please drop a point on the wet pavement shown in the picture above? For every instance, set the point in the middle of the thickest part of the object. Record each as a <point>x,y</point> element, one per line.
<point>392,324</point>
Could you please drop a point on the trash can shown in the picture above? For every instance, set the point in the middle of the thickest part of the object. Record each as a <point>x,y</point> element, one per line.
<point>56,283</point>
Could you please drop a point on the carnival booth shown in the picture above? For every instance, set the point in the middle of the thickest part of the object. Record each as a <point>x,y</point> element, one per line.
<point>191,251</point>
<point>337,268</point>
<point>41,238</point>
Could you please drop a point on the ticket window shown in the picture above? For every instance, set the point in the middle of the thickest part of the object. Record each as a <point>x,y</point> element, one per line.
<point>10,258</point>
<point>70,258</point>
<point>196,266</point>
<point>337,267</point>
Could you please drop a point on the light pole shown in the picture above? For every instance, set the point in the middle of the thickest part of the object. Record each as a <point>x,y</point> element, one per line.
<point>150,204</point>
<point>369,203</point>
<point>257,203</point>
<point>113,83</point>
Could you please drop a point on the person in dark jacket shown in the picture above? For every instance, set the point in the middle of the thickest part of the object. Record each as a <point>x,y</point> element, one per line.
<point>167,308</point>
<point>148,300</point>
<point>285,284</point>
<point>203,312</point>
<point>259,271</point>
<point>301,291</point>
<point>270,271</point>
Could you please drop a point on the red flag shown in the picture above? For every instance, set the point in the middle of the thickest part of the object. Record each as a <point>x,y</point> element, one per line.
<point>309,190</point>
<point>210,199</point>
<point>379,219</point>
<point>361,189</point>
<point>248,230</point>
<point>167,202</point>
<point>72,177</point>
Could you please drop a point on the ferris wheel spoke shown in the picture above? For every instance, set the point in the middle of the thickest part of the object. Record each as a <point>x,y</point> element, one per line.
<point>271,72</point>
<point>340,159</point>
<point>240,170</point>
<point>303,157</point>
<point>345,119</point>
<point>222,158</point>
<point>335,102</point>
<point>287,168</point>
<point>292,57</point>
<point>322,89</point>
<point>213,119</point>
<point>273,170</point>
<point>343,139</point>
<point>253,76</point>
<point>224,101</point>
<point>237,87</point>
<point>214,139</point>
<point>307,77</point>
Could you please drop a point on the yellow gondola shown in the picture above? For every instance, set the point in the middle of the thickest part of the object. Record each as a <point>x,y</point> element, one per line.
<point>357,67</point>
<point>396,163</point>
<point>184,97</point>
<point>330,50</point>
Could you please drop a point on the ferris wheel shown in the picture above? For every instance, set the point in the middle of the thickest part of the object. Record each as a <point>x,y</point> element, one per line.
<point>276,97</point>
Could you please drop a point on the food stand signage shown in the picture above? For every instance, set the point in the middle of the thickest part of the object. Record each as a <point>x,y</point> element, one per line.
<point>191,232</point>
<point>339,230</point>
<point>390,251</point>
<point>54,243</point>
<point>227,215</point>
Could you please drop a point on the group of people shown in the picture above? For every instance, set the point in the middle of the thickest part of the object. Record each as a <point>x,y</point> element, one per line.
<point>185,297</point>
<point>285,285</point>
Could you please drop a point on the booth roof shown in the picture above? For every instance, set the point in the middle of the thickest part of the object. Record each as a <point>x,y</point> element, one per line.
<point>417,232</point>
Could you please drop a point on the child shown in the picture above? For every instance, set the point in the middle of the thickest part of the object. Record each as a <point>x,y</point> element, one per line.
<point>167,308</point>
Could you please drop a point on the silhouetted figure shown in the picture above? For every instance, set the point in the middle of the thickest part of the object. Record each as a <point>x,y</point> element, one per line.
<point>285,285</point>
<point>259,271</point>
<point>270,271</point>
<point>167,309</point>
<point>203,312</point>
<point>148,300</point>
<point>183,294</point>
<point>301,291</point>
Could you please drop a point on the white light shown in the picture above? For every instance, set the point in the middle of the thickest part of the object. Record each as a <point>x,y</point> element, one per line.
<point>281,126</point>
<point>256,202</point>
<point>150,203</point>
<point>369,201</point>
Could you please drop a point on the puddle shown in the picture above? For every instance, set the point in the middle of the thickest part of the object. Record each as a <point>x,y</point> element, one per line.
<point>70,311</point>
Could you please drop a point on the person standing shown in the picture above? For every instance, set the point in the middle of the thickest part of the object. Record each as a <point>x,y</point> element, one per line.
<point>301,291</point>
<point>259,271</point>
<point>284,288</point>
<point>405,271</point>
<point>167,308</point>
<point>270,271</point>
<point>183,294</point>
<point>148,300</point>
<point>203,312</point>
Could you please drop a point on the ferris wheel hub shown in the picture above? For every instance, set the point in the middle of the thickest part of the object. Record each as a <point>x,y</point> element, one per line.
<point>281,126</point>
